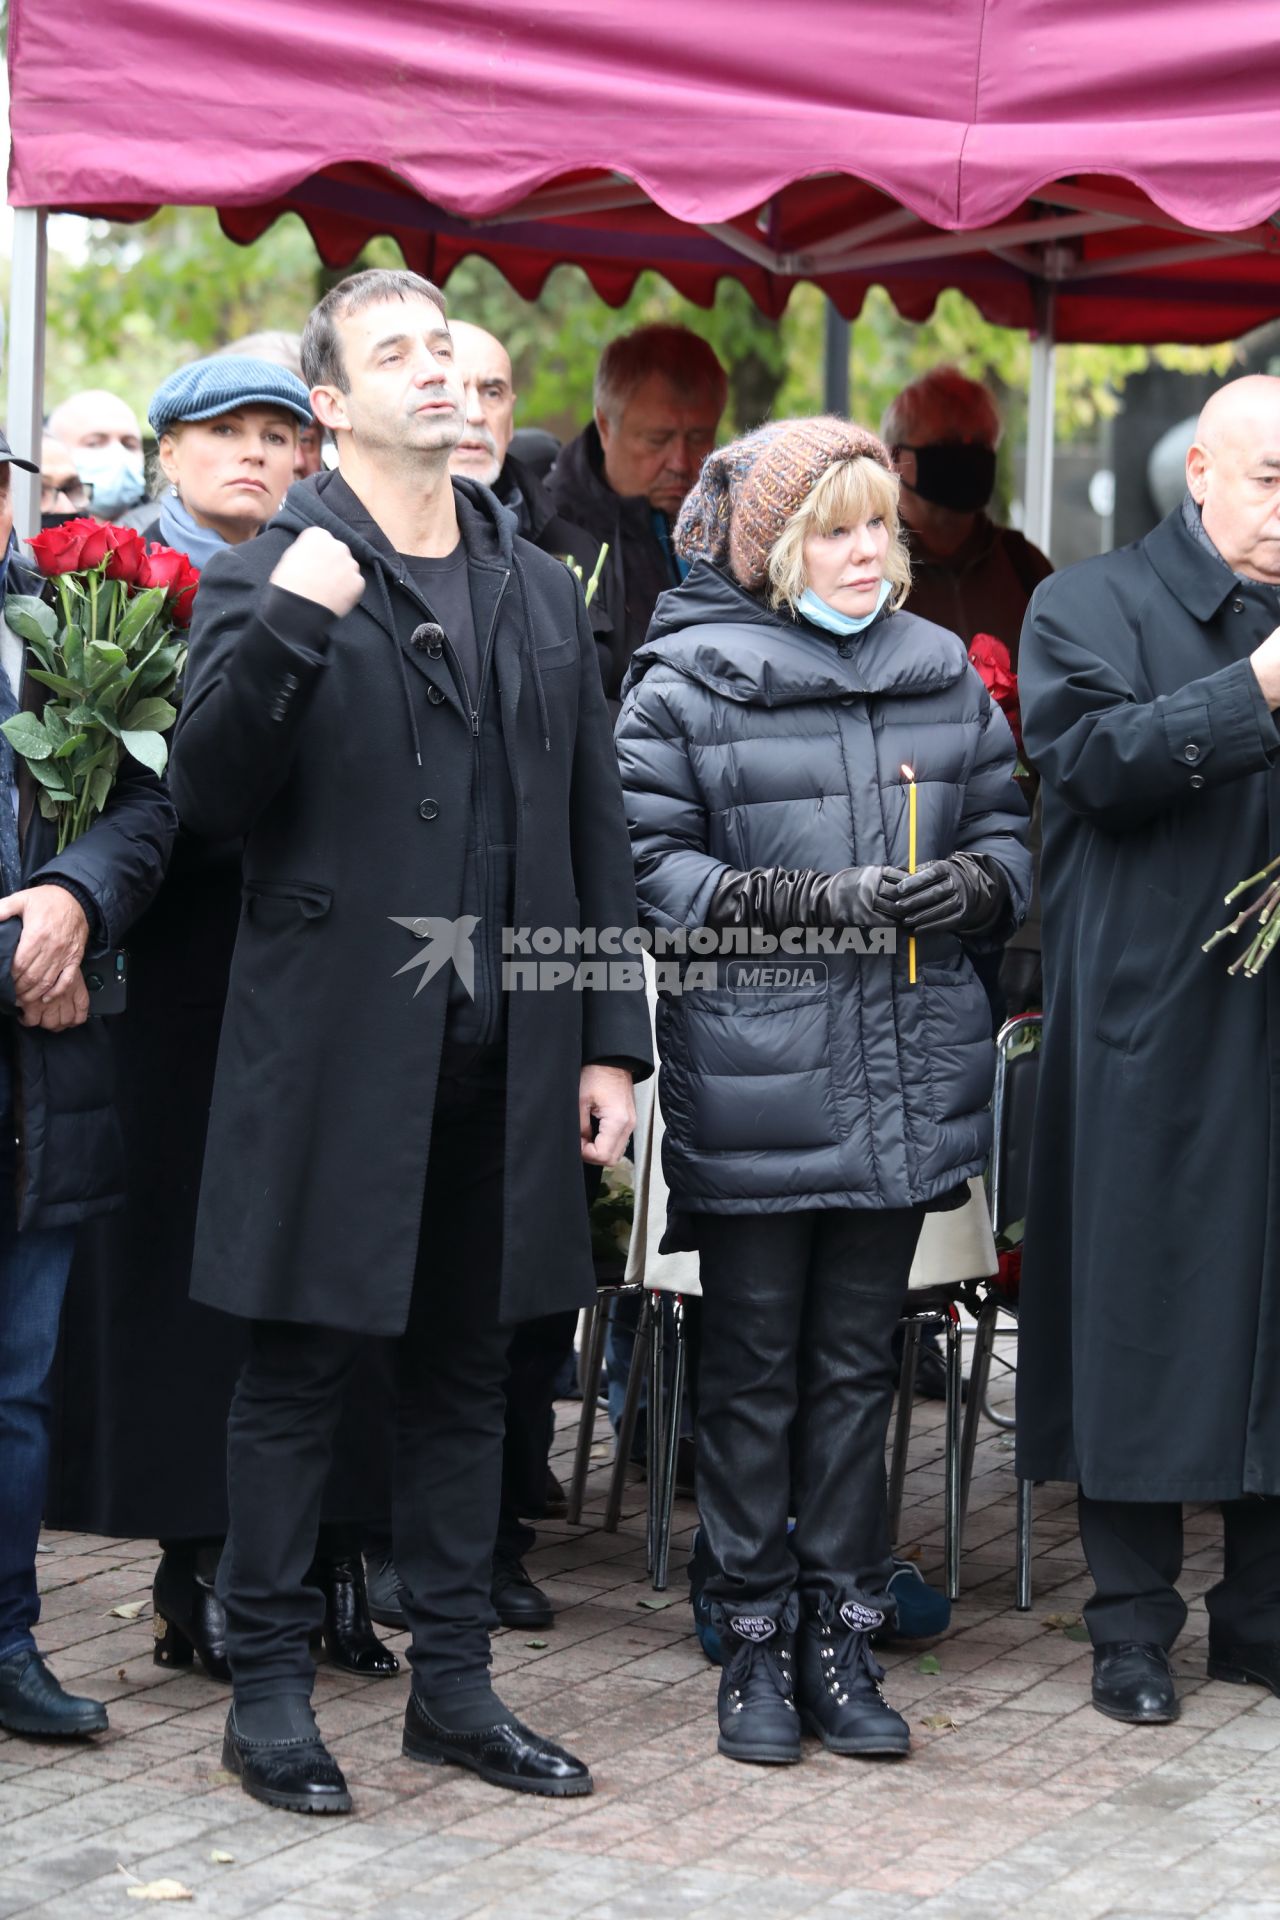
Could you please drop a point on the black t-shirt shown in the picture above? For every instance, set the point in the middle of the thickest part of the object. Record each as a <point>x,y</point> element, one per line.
<point>446,587</point>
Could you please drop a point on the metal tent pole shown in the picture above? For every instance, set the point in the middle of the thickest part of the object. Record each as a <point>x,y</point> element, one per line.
<point>835,363</point>
<point>1040,399</point>
<point>27,300</point>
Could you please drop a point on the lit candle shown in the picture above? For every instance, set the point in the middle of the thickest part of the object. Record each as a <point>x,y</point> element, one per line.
<point>909,776</point>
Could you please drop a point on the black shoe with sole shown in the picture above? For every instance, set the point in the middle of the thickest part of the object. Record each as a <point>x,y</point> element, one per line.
<point>1132,1681</point>
<point>188,1620</point>
<point>382,1590</point>
<point>348,1633</point>
<point>32,1701</point>
<point>506,1754</point>
<point>299,1775</point>
<point>1245,1662</point>
<point>516,1601</point>
<point>838,1682</point>
<point>756,1706</point>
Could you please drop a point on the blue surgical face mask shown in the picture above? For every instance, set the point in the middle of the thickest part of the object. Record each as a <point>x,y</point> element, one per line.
<point>834,621</point>
<point>116,476</point>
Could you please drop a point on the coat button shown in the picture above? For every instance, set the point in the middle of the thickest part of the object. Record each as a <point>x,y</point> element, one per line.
<point>845,651</point>
<point>428,809</point>
<point>435,696</point>
<point>1197,781</point>
<point>1191,753</point>
<point>430,636</point>
<point>1237,605</point>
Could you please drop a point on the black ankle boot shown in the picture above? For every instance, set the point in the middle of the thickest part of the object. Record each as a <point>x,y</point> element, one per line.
<point>348,1633</point>
<point>838,1681</point>
<point>188,1619</point>
<point>756,1706</point>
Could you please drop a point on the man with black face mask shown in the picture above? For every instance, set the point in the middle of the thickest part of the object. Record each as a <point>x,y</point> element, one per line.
<point>967,573</point>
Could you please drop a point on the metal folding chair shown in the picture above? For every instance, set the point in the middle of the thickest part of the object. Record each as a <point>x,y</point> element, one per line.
<point>935,1309</point>
<point>1013,1110</point>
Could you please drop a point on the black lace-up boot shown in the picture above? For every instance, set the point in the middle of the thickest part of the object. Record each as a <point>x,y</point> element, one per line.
<point>838,1680</point>
<point>757,1709</point>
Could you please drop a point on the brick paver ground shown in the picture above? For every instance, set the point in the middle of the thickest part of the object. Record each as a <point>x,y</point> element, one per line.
<point>1018,1798</point>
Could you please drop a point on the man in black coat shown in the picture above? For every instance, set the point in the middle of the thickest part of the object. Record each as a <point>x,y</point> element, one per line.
<point>60,1153</point>
<point>397,702</point>
<point>659,395</point>
<point>1150,1320</point>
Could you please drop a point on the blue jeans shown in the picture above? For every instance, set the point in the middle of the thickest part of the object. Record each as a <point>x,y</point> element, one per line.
<point>33,1279</point>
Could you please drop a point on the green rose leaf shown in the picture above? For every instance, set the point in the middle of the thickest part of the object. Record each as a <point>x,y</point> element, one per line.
<point>100,783</point>
<point>27,737</point>
<point>151,715</point>
<point>149,748</point>
<point>68,747</point>
<point>54,779</point>
<point>29,617</point>
<point>69,689</point>
<point>141,609</point>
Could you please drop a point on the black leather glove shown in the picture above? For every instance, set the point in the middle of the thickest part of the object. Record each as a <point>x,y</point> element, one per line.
<point>965,894</point>
<point>774,899</point>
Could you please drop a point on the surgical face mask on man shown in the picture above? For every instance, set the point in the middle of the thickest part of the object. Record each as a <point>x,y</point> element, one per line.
<point>954,473</point>
<point>116,475</point>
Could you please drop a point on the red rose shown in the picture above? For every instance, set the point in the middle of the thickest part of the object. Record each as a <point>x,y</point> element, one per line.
<point>123,548</point>
<point>1009,1279</point>
<point>58,549</point>
<point>994,667</point>
<point>165,567</point>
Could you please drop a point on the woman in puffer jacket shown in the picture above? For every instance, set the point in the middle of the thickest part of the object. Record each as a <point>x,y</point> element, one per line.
<point>816,1104</point>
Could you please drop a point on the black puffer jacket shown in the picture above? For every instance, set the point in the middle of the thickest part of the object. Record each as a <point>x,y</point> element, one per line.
<point>750,740</point>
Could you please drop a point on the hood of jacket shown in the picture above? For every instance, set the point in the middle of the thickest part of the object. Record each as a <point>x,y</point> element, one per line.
<point>714,632</point>
<point>326,500</point>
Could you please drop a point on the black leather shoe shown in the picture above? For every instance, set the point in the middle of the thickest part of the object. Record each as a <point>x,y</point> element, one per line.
<point>516,1601</point>
<point>300,1775</point>
<point>838,1682</point>
<point>1245,1662</point>
<point>1132,1681</point>
<point>348,1632</point>
<point>382,1589</point>
<point>188,1620</point>
<point>33,1701</point>
<point>506,1755</point>
<point>556,1504</point>
<point>756,1705</point>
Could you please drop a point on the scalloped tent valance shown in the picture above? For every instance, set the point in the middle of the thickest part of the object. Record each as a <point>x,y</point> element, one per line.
<point>1124,152</point>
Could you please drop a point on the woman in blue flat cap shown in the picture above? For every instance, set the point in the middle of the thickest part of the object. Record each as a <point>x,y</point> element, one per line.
<point>140,1432</point>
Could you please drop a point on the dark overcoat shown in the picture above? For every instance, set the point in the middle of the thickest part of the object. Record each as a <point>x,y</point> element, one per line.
<point>1149,1346</point>
<point>303,734</point>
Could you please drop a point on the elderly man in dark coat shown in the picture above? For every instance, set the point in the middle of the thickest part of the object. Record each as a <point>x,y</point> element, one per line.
<point>397,702</point>
<point>1150,1344</point>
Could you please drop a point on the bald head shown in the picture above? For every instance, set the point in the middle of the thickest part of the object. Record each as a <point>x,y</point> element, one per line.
<point>1233,473</point>
<point>485,367</point>
<point>96,418</point>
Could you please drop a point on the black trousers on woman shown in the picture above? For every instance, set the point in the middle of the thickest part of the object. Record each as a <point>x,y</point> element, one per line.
<point>795,1387</point>
<point>450,1367</point>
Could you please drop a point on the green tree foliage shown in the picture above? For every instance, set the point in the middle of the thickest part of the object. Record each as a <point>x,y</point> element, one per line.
<point>127,304</point>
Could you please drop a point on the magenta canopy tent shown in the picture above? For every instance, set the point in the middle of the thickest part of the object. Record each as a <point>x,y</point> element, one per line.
<point>1106,170</point>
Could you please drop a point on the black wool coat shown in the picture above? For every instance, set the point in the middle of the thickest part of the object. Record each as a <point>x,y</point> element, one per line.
<point>1149,1336</point>
<point>303,734</point>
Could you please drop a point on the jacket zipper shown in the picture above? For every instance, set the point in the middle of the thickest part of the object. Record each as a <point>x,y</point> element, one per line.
<point>486,986</point>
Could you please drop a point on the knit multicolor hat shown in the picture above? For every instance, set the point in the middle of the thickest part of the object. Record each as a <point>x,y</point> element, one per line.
<point>209,387</point>
<point>747,491</point>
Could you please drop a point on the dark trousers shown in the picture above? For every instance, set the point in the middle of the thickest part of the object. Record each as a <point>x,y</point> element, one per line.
<point>1134,1551</point>
<point>450,1365</point>
<point>536,1355</point>
<point>795,1387</point>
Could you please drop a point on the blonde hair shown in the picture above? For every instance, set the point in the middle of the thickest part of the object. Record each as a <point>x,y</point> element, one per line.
<point>849,492</point>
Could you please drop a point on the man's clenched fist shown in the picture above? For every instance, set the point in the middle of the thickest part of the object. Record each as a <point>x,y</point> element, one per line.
<point>318,567</point>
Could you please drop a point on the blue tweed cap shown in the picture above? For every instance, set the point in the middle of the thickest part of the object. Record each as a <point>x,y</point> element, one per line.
<point>209,387</point>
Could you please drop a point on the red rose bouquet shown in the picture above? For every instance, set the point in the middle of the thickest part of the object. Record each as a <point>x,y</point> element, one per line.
<point>110,654</point>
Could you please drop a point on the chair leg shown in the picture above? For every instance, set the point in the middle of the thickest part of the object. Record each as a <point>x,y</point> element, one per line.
<point>627,1425</point>
<point>593,1339</point>
<point>979,1373</point>
<point>1026,1489</point>
<point>671,1443</point>
<point>655,1431</point>
<point>902,1425</point>
<point>952,1457</point>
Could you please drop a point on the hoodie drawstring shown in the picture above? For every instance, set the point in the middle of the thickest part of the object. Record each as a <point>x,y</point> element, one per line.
<point>531,649</point>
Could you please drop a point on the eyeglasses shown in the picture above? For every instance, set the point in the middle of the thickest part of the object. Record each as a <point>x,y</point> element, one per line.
<point>71,492</point>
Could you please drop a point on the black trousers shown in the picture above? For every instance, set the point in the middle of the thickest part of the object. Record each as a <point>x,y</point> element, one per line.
<point>795,1386</point>
<point>1134,1551</point>
<point>450,1367</point>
